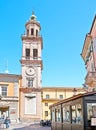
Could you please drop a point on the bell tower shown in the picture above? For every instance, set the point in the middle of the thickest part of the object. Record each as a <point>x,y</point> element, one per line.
<point>31,54</point>
<point>31,62</point>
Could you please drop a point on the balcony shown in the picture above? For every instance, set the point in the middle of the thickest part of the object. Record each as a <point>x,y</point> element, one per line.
<point>90,79</point>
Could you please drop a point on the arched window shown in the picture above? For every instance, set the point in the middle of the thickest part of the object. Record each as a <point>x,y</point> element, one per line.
<point>32,31</point>
<point>27,53</point>
<point>35,53</point>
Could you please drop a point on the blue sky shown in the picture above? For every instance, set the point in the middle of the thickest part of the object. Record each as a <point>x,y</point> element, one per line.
<point>64,24</point>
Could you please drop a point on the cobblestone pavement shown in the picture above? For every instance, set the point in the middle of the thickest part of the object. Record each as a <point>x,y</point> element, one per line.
<point>27,127</point>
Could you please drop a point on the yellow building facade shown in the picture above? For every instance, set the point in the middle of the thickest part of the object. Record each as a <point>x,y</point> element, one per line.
<point>9,96</point>
<point>51,95</point>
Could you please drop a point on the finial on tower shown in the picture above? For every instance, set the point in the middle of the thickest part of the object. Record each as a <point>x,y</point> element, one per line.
<point>33,17</point>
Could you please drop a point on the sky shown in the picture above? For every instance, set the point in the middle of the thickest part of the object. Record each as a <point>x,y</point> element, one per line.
<point>64,25</point>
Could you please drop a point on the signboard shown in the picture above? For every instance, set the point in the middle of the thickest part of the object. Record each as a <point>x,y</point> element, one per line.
<point>30,100</point>
<point>93,121</point>
<point>13,111</point>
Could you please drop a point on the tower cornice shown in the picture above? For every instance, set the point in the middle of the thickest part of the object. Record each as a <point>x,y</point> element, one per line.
<point>33,23</point>
<point>33,39</point>
<point>29,90</point>
<point>33,62</point>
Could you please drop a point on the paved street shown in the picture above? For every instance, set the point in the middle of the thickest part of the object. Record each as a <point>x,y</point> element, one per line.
<point>27,127</point>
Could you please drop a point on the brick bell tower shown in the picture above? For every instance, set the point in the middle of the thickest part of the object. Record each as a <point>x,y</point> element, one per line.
<point>31,62</point>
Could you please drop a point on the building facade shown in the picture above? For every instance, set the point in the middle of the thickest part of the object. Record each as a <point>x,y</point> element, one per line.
<point>9,96</point>
<point>89,56</point>
<point>51,95</point>
<point>31,63</point>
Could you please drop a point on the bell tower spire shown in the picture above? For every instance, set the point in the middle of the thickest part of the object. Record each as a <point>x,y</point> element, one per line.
<point>33,17</point>
<point>31,62</point>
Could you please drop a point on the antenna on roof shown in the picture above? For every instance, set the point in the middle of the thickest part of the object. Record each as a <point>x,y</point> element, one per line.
<point>6,67</point>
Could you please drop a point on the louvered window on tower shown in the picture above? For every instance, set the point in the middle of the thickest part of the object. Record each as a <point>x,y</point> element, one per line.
<point>32,31</point>
<point>35,53</point>
<point>27,53</point>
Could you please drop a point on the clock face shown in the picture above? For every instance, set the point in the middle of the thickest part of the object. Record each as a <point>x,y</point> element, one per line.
<point>30,71</point>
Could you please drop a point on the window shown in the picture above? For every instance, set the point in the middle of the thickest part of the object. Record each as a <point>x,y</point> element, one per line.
<point>79,114</point>
<point>73,114</point>
<point>91,110</point>
<point>27,53</point>
<point>36,32</point>
<point>53,115</point>
<point>46,113</point>
<point>4,91</point>
<point>46,104</point>
<point>32,31</point>
<point>61,96</point>
<point>35,53</point>
<point>76,114</point>
<point>30,82</point>
<point>66,114</point>
<point>58,115</point>
<point>47,96</point>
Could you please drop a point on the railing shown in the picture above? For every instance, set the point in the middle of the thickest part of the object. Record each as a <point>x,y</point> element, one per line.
<point>26,35</point>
